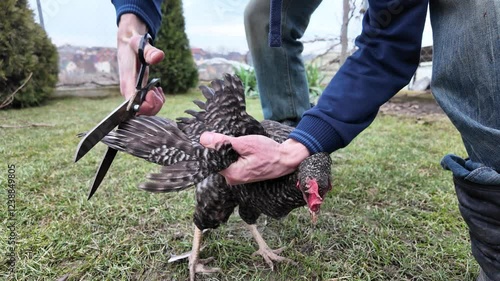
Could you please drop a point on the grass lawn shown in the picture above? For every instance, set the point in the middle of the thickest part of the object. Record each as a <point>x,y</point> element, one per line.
<point>392,214</point>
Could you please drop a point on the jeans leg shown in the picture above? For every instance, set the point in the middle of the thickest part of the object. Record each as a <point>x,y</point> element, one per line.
<point>466,83</point>
<point>281,76</point>
<point>466,72</point>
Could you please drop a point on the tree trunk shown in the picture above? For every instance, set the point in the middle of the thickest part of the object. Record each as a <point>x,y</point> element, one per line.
<point>344,43</point>
<point>40,13</point>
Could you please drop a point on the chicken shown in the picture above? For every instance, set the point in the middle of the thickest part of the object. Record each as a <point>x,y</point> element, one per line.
<point>186,162</point>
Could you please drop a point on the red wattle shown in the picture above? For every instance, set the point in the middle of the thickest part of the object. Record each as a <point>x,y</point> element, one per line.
<point>314,200</point>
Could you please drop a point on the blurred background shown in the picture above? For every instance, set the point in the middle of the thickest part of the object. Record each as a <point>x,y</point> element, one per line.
<point>83,34</point>
<point>84,30</point>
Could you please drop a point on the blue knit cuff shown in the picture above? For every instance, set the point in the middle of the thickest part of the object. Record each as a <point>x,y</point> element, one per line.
<point>317,135</point>
<point>147,11</point>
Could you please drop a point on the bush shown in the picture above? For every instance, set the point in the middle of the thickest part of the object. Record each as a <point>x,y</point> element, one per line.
<point>249,80</point>
<point>24,49</point>
<point>178,72</point>
<point>314,77</point>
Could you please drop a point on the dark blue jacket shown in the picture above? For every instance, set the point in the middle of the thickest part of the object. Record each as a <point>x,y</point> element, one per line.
<point>387,57</point>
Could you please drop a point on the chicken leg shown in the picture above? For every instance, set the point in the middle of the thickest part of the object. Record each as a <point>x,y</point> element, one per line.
<point>267,253</point>
<point>197,265</point>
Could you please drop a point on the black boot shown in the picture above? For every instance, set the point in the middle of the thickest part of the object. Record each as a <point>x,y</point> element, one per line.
<point>480,208</point>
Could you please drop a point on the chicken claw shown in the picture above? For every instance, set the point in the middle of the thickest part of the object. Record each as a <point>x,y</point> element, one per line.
<point>271,255</point>
<point>197,265</point>
<point>267,253</point>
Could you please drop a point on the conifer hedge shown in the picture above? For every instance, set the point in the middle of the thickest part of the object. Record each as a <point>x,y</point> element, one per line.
<point>25,48</point>
<point>178,71</point>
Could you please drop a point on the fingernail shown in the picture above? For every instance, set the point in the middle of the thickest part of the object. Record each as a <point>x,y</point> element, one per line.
<point>207,138</point>
<point>153,54</point>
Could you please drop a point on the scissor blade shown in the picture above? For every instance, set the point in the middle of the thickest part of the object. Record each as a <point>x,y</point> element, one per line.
<point>119,115</point>
<point>103,169</point>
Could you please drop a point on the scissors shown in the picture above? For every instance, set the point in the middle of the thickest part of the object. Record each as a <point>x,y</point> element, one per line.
<point>125,111</point>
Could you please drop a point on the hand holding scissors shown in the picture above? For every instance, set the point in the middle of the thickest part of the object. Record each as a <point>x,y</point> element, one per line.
<point>125,111</point>
<point>129,38</point>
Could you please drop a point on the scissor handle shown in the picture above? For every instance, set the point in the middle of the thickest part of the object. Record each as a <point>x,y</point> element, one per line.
<point>142,45</point>
<point>142,94</point>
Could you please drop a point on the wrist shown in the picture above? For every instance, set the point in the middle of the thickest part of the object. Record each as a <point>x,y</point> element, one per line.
<point>128,26</point>
<point>292,153</point>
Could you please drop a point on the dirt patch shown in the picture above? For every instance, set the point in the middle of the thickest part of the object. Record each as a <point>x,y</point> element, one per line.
<point>422,105</point>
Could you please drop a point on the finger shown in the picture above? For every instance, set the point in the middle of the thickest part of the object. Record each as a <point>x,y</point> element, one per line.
<point>152,104</point>
<point>129,63</point>
<point>246,145</point>
<point>229,179</point>
<point>156,100</point>
<point>210,140</point>
<point>236,174</point>
<point>152,54</point>
<point>159,98</point>
<point>162,94</point>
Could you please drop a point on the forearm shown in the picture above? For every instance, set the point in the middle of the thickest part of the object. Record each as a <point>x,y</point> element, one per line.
<point>149,12</point>
<point>388,55</point>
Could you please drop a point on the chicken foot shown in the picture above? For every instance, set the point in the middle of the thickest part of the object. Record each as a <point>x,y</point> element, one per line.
<point>267,253</point>
<point>197,265</point>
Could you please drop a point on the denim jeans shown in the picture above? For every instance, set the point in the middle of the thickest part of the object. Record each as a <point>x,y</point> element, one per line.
<point>281,76</point>
<point>466,74</point>
<point>466,84</point>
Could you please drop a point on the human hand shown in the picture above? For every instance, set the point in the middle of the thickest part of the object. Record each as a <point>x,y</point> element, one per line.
<point>130,31</point>
<point>261,158</point>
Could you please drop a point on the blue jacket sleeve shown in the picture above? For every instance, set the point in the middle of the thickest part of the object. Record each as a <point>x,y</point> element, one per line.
<point>387,57</point>
<point>147,10</point>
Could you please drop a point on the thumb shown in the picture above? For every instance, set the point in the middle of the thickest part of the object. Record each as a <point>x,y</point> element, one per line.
<point>210,140</point>
<point>153,55</point>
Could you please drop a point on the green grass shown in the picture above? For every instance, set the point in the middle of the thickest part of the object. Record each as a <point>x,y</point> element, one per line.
<point>392,214</point>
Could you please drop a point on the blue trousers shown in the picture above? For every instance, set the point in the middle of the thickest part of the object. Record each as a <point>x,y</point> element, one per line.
<point>466,84</point>
<point>466,78</point>
<point>281,76</point>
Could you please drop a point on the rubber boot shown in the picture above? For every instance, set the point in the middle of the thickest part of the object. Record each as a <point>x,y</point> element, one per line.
<point>480,208</point>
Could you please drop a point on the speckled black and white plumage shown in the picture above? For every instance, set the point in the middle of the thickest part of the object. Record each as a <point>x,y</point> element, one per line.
<point>187,162</point>
<point>160,141</point>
